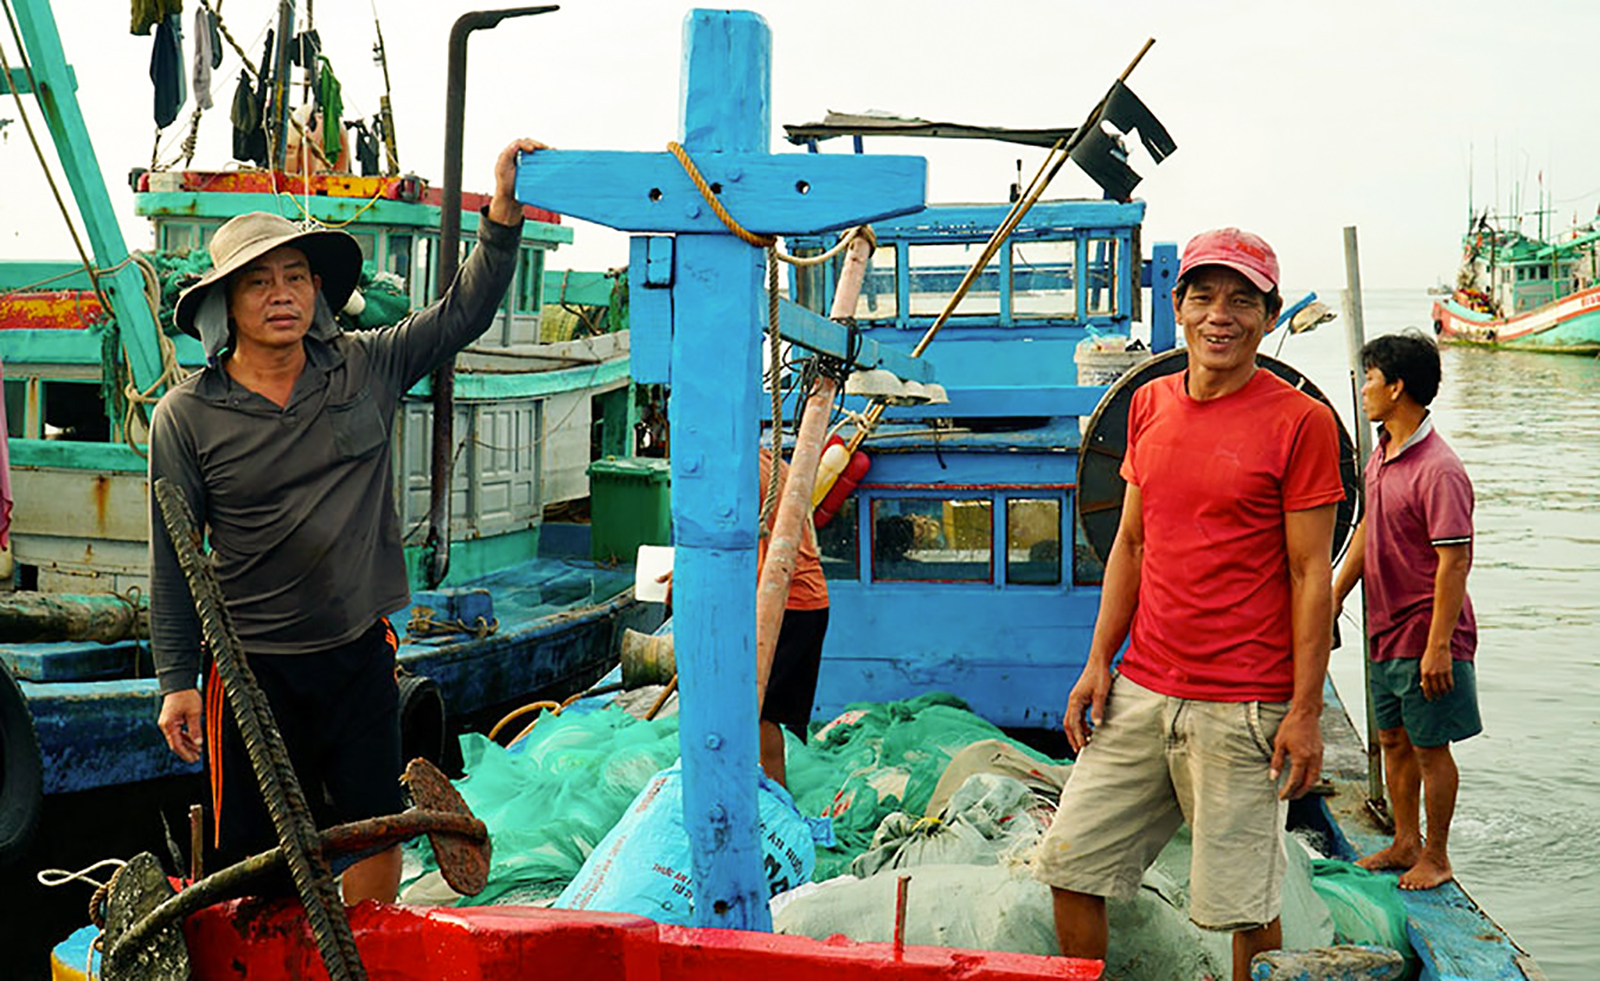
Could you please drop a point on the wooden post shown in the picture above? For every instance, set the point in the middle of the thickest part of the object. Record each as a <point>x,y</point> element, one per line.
<point>794,506</point>
<point>715,303</point>
<point>1355,336</point>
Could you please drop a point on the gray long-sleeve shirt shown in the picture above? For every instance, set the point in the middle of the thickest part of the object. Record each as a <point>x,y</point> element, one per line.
<point>298,500</point>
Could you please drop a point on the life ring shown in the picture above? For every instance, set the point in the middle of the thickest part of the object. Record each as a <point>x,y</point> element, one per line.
<point>21,771</point>
<point>1105,441</point>
<point>422,719</point>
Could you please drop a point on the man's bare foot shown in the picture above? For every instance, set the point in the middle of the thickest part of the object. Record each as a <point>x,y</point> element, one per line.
<point>1396,856</point>
<point>1427,873</point>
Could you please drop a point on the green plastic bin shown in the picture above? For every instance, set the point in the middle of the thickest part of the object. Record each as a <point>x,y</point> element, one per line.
<point>630,504</point>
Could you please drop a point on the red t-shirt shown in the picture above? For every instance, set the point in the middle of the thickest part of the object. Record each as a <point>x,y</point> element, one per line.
<point>1215,478</point>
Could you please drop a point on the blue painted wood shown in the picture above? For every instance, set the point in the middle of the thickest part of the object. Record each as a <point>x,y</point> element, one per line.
<point>713,415</point>
<point>71,660</point>
<point>100,734</point>
<point>725,89</point>
<point>769,195</point>
<point>658,261</point>
<point>1009,400</point>
<point>124,288</point>
<point>817,333</point>
<point>1044,220</point>
<point>1163,275</point>
<point>650,310</point>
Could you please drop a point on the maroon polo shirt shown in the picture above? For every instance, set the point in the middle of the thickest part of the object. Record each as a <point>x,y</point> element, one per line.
<point>1416,502</point>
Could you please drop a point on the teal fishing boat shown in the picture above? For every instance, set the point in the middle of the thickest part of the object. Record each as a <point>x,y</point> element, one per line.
<point>504,608</point>
<point>1517,292</point>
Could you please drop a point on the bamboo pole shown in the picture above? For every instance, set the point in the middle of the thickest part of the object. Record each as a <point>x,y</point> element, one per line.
<point>1355,337</point>
<point>794,504</point>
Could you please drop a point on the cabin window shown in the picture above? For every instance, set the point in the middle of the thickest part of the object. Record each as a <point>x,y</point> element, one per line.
<point>530,281</point>
<point>838,541</point>
<point>1044,281</point>
<point>936,271</point>
<point>422,281</point>
<point>880,290</point>
<point>16,407</point>
<point>74,412</point>
<point>400,256</point>
<point>1033,542</point>
<point>368,243</point>
<point>179,237</point>
<point>932,540</point>
<point>1103,278</point>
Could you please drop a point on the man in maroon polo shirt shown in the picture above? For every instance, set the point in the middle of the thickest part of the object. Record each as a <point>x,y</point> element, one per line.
<point>1414,548</point>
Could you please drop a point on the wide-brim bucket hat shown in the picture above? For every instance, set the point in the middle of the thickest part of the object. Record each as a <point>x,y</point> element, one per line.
<point>333,255</point>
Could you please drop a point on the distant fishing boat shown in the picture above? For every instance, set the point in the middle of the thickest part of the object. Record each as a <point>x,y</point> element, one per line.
<point>1517,292</point>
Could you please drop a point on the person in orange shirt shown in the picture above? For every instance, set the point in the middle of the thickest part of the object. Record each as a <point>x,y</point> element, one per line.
<point>792,686</point>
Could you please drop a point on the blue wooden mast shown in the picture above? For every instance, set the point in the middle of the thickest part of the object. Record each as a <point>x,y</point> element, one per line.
<point>701,302</point>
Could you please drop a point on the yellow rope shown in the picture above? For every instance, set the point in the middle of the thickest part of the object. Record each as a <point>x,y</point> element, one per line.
<point>744,234</point>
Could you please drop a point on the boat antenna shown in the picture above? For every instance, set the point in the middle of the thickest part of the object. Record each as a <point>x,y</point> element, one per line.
<point>385,110</point>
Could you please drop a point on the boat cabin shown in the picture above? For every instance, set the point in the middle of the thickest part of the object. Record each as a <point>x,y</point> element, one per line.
<point>969,512</point>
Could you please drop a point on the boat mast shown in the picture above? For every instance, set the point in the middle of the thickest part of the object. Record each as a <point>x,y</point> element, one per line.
<point>385,112</point>
<point>280,83</point>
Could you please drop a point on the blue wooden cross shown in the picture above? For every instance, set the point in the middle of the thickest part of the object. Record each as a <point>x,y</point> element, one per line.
<point>712,288</point>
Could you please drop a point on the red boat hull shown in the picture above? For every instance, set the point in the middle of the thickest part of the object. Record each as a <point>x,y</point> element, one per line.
<point>252,939</point>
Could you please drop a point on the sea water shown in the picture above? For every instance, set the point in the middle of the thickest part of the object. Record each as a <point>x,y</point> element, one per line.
<point>1526,837</point>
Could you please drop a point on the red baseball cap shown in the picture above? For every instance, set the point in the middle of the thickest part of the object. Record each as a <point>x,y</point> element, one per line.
<point>1244,253</point>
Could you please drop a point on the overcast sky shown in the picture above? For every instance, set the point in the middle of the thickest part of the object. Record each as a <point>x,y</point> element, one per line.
<point>1292,119</point>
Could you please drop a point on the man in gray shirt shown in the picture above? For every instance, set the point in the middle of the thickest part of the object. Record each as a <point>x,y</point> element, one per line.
<point>281,446</point>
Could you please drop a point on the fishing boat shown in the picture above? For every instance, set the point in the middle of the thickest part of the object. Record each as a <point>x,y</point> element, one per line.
<point>966,559</point>
<point>1521,293</point>
<point>502,609</point>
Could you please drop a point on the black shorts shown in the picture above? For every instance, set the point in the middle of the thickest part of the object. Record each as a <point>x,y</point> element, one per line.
<point>339,714</point>
<point>792,686</point>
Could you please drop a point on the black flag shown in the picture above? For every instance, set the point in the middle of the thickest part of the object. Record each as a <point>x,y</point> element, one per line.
<point>1103,156</point>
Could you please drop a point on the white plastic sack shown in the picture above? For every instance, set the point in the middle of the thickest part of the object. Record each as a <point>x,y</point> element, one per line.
<point>643,864</point>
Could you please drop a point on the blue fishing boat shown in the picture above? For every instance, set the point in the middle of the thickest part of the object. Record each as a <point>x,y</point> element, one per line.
<point>502,612</point>
<point>967,558</point>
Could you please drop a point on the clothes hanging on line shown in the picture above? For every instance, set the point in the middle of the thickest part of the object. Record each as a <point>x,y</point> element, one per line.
<point>206,56</point>
<point>166,70</point>
<point>366,147</point>
<point>330,100</point>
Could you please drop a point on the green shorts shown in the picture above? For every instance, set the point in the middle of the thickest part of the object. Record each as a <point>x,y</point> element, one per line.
<point>1397,701</point>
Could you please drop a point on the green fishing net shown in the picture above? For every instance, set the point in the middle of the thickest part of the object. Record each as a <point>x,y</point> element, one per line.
<point>550,798</point>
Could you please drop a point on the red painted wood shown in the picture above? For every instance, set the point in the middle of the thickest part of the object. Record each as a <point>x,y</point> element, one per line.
<point>329,185</point>
<point>255,939</point>
<point>50,310</point>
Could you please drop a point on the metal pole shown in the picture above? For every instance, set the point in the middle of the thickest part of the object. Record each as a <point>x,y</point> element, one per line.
<point>280,85</point>
<point>1355,335</point>
<point>437,550</point>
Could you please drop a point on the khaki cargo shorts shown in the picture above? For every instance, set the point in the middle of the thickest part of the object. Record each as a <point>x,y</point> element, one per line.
<point>1153,763</point>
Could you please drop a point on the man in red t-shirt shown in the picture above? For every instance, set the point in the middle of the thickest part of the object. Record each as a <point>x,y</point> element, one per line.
<point>1414,549</point>
<point>1220,571</point>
